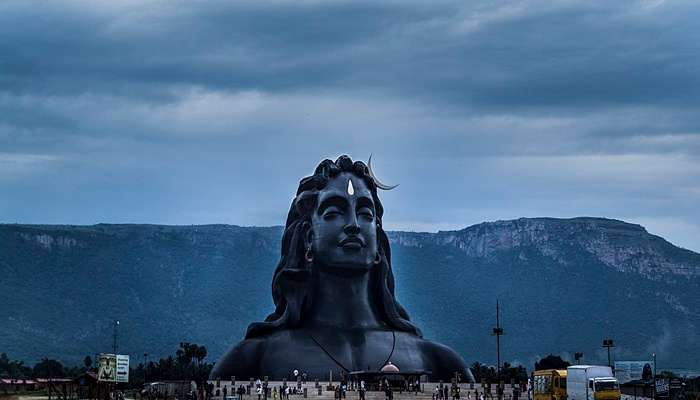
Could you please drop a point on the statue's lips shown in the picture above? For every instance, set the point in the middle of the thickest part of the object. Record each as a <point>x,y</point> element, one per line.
<point>353,243</point>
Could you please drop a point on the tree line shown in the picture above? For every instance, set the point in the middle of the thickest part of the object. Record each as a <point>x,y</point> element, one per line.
<point>484,373</point>
<point>188,363</point>
<point>46,368</point>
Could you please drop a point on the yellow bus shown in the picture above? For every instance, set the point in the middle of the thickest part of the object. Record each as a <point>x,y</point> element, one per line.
<point>549,384</point>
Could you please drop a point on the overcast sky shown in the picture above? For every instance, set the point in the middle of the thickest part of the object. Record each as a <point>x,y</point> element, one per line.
<point>210,112</point>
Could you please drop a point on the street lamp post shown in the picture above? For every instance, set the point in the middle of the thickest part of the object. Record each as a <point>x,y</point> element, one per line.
<point>654,380</point>
<point>498,331</point>
<point>114,351</point>
<point>114,344</point>
<point>608,343</point>
<point>145,366</point>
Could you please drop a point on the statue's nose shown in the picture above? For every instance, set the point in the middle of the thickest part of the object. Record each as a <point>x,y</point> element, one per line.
<point>352,228</point>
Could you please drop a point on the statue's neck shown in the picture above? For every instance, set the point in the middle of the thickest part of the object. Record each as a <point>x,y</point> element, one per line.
<point>343,301</point>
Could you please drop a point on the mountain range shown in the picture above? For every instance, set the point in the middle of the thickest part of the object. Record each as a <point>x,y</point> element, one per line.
<point>563,285</point>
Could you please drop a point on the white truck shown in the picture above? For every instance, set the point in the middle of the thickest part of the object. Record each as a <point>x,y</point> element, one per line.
<point>591,382</point>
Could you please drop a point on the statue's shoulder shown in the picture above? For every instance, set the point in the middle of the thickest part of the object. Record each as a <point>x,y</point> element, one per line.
<point>445,361</point>
<point>242,360</point>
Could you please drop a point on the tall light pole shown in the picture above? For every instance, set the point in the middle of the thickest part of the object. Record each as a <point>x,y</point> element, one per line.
<point>654,380</point>
<point>145,366</point>
<point>498,331</point>
<point>114,344</point>
<point>608,343</point>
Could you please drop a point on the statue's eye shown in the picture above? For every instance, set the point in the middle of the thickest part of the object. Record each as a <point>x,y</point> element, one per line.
<point>331,212</point>
<point>366,213</point>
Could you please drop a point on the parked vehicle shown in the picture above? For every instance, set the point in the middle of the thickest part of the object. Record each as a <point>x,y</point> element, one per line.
<point>591,382</point>
<point>549,384</point>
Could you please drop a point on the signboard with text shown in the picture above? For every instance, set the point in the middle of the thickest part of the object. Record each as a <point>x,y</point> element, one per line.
<point>122,368</point>
<point>662,387</point>
<point>626,371</point>
<point>113,368</point>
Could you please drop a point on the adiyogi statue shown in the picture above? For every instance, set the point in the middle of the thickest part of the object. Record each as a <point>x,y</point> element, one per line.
<point>333,291</point>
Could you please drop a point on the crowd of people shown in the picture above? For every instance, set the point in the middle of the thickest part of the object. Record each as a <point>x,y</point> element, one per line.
<point>454,393</point>
<point>263,390</point>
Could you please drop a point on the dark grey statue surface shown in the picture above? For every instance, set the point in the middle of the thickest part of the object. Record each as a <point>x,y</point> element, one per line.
<point>333,291</point>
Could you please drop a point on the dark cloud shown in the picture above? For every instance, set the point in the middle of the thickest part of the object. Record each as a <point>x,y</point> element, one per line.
<point>470,56</point>
<point>181,112</point>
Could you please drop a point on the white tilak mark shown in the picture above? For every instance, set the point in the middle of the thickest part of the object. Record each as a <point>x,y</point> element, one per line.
<point>351,190</point>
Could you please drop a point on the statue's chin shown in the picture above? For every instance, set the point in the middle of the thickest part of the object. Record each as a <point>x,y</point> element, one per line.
<point>339,260</point>
<point>347,269</point>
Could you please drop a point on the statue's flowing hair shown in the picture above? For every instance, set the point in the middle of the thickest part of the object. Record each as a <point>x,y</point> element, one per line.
<point>292,290</point>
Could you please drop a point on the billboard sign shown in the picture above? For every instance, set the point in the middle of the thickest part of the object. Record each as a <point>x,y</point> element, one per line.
<point>113,368</point>
<point>662,387</point>
<point>107,368</point>
<point>122,368</point>
<point>626,371</point>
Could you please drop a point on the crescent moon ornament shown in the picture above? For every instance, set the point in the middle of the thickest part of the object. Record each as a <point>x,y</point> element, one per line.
<point>376,181</point>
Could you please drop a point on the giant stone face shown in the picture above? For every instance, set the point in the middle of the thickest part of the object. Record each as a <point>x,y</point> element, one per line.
<point>344,226</point>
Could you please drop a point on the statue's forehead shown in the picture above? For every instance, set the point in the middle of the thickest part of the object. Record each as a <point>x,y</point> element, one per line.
<point>339,186</point>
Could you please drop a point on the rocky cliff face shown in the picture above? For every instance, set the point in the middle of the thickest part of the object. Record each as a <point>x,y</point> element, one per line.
<point>564,284</point>
<point>622,246</point>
